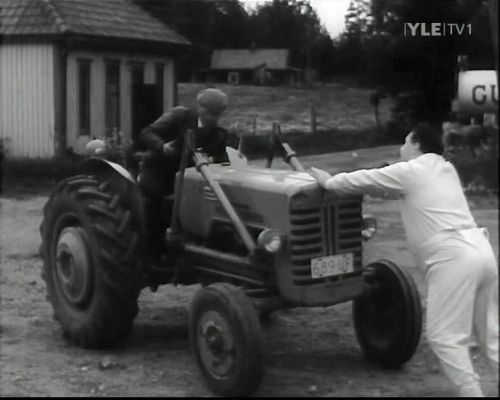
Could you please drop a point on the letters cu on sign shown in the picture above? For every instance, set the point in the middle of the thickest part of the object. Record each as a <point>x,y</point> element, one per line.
<point>478,91</point>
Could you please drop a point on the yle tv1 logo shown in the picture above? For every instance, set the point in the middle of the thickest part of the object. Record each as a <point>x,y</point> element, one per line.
<point>433,29</point>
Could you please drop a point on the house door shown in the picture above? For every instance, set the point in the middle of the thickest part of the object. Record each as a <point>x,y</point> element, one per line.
<point>147,102</point>
<point>146,107</point>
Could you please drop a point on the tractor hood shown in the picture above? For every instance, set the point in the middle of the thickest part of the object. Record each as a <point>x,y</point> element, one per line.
<point>254,180</point>
<point>260,196</point>
<point>263,179</point>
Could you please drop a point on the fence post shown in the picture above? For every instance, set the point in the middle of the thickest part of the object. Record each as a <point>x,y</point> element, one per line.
<point>1,162</point>
<point>313,118</point>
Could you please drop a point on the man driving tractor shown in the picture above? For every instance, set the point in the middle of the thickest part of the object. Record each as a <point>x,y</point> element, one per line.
<point>164,141</point>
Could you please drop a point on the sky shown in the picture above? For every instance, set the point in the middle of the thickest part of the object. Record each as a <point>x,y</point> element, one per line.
<point>330,12</point>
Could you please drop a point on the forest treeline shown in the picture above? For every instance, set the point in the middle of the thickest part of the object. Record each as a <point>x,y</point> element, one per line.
<point>374,48</point>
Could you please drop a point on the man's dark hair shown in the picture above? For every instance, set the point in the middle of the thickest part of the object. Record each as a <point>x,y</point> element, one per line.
<point>429,137</point>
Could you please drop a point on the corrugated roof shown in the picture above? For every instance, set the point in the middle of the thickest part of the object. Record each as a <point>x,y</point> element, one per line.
<point>109,18</point>
<point>249,59</point>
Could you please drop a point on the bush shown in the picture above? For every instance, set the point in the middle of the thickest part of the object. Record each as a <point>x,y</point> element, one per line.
<point>407,111</point>
<point>337,140</point>
<point>473,150</point>
<point>37,174</point>
<point>478,173</point>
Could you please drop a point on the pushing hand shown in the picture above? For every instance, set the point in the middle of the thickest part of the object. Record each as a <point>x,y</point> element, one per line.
<point>320,175</point>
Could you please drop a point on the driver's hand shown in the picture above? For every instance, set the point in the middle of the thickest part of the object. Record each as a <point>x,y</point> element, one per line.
<point>234,128</point>
<point>320,176</point>
<point>168,149</point>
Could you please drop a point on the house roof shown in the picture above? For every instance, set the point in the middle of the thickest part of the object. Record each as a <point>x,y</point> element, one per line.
<point>109,19</point>
<point>250,59</point>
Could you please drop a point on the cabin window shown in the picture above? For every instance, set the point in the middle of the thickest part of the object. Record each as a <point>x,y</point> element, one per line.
<point>112,94</point>
<point>84,97</point>
<point>233,78</point>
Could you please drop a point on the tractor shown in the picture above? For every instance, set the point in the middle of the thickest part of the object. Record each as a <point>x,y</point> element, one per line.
<point>256,240</point>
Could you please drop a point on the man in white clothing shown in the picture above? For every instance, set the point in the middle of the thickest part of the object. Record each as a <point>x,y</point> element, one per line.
<point>458,261</point>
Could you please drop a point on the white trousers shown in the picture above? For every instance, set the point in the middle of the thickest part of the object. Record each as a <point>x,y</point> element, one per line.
<point>462,277</point>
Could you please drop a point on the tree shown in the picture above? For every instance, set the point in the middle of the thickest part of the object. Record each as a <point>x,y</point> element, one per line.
<point>357,20</point>
<point>207,24</point>
<point>424,65</point>
<point>290,24</point>
<point>323,52</point>
<point>294,25</point>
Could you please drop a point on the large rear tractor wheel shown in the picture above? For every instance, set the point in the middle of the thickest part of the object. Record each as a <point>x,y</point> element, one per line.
<point>90,251</point>
<point>388,315</point>
<point>226,338</point>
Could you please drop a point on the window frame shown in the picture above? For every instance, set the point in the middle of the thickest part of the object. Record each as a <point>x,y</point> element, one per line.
<point>84,94</point>
<point>108,124</point>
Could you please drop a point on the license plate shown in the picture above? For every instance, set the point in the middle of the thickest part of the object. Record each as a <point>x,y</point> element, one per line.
<point>332,265</point>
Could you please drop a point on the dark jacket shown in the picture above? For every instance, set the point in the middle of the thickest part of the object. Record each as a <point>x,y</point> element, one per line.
<point>171,127</point>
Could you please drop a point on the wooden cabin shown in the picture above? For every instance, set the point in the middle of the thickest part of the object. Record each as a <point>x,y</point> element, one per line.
<point>73,70</point>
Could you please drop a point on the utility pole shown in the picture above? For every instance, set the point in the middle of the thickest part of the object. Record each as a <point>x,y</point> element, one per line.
<point>309,45</point>
<point>309,67</point>
<point>306,10</point>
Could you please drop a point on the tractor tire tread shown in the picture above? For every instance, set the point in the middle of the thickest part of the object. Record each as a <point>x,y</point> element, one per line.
<point>114,303</point>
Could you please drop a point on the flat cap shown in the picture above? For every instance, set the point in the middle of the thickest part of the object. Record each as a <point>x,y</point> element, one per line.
<point>212,99</point>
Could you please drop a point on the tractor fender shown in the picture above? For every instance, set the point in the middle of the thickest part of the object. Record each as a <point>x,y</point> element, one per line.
<point>95,165</point>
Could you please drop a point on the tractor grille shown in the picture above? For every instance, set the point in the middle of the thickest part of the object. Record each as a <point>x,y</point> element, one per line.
<point>331,229</point>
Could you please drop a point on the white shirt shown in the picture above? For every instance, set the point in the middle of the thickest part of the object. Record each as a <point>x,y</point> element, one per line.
<point>431,195</point>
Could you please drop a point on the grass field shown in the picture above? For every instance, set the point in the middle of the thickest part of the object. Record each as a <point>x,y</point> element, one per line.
<point>337,106</point>
<point>344,118</point>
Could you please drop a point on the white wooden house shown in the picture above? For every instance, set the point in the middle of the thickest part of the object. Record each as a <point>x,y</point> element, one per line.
<point>71,70</point>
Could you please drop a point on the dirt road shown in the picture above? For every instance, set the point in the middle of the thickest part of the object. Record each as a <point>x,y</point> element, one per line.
<point>308,352</point>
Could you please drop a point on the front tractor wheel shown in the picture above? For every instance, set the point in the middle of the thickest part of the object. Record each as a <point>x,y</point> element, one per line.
<point>90,261</point>
<point>388,315</point>
<point>226,339</point>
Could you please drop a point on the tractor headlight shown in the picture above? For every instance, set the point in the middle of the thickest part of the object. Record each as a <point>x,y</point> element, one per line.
<point>369,227</point>
<point>270,240</point>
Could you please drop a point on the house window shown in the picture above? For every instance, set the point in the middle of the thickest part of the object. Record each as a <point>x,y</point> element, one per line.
<point>112,97</point>
<point>233,78</point>
<point>84,97</point>
<point>137,74</point>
